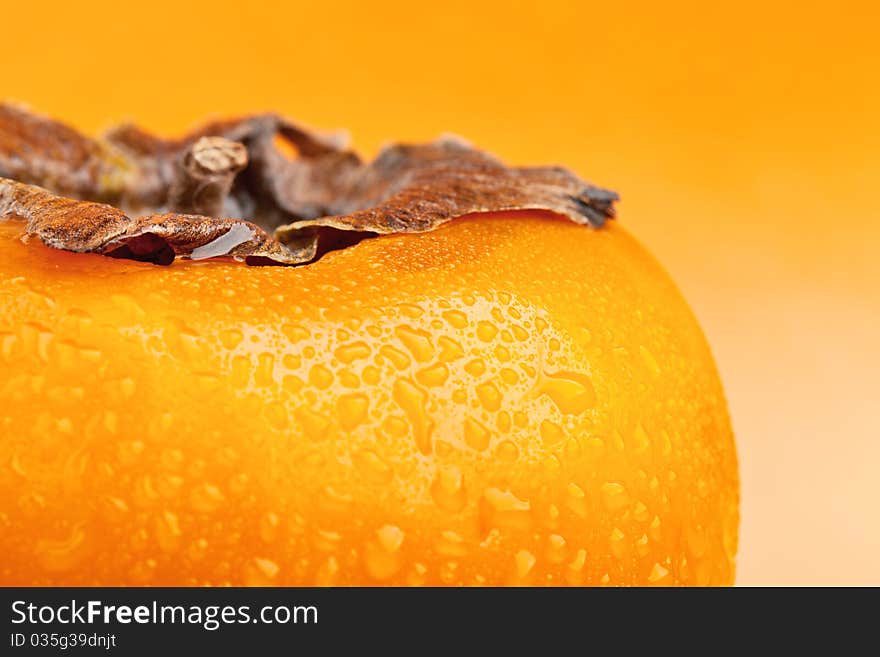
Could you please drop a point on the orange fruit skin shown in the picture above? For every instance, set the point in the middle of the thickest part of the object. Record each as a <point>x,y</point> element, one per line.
<point>511,399</point>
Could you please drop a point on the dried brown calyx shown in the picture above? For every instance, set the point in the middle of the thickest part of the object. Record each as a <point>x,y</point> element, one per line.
<point>227,190</point>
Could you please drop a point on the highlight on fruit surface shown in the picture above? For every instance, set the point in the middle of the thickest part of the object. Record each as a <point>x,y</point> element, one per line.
<point>490,392</point>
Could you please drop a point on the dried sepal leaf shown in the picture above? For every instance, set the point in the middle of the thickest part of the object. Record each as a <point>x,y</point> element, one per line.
<point>37,150</point>
<point>326,198</point>
<point>137,171</point>
<point>410,189</point>
<point>204,176</point>
<point>84,226</point>
<point>155,162</point>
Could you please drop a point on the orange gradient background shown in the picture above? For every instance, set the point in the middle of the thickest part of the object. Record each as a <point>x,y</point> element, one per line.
<point>745,142</point>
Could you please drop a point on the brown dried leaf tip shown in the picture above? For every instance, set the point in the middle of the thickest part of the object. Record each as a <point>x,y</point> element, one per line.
<point>77,193</point>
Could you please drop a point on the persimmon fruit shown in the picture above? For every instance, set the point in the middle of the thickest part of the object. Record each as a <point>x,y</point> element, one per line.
<point>509,399</point>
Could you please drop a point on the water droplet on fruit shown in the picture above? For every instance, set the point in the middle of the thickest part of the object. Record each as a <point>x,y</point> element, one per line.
<point>335,500</point>
<point>127,387</point>
<point>372,466</point>
<point>476,435</point>
<point>450,350</point>
<point>315,426</point>
<point>327,572</point>
<point>231,338</point>
<point>486,331</point>
<point>206,498</point>
<point>413,400</point>
<point>475,367</point>
<point>381,556</point>
<point>555,548</point>
<point>525,561</point>
<point>507,451</point>
<point>509,376</point>
<point>502,509</point>
<point>294,332</point>
<point>260,572</point>
<point>489,396</point>
<point>268,526</point>
<point>416,575</point>
<point>576,500</point>
<point>456,318</point>
<point>519,333</point>
<point>417,342</point>
<point>617,543</point>
<point>447,489</point>
<point>390,537</point>
<point>657,574</point>
<point>399,359</point>
<point>371,375</point>
<point>551,433</point>
<point>351,352</point>
<point>432,376</point>
<point>352,410</point>
<point>574,570</point>
<point>320,377</point>
<point>264,372</point>
<point>451,544</point>
<point>64,554</point>
<point>168,531</point>
<point>614,496</point>
<point>640,441</point>
<point>572,393</point>
<point>326,541</point>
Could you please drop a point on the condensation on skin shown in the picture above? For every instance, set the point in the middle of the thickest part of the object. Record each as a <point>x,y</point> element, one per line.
<point>313,471</point>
